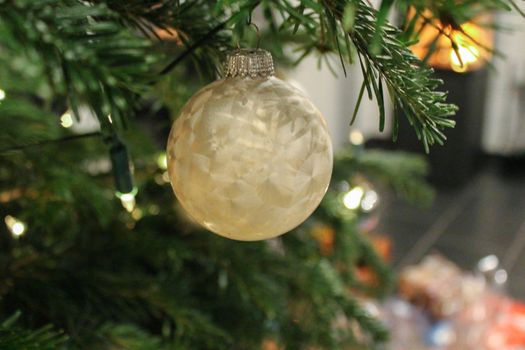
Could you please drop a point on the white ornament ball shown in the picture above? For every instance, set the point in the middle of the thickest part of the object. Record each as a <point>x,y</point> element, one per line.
<point>249,159</point>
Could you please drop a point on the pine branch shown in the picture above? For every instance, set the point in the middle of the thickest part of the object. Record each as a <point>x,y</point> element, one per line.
<point>193,47</point>
<point>13,337</point>
<point>89,55</point>
<point>403,173</point>
<point>18,148</point>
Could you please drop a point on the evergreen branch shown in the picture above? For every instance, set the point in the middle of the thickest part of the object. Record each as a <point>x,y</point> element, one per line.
<point>402,172</point>
<point>410,84</point>
<point>197,44</point>
<point>13,337</point>
<point>383,57</point>
<point>90,56</point>
<point>48,142</point>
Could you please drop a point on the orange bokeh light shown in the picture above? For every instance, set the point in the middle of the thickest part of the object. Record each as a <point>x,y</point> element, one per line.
<point>473,45</point>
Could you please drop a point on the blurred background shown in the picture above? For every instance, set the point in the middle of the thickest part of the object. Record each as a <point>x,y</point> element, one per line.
<point>408,250</point>
<point>479,173</point>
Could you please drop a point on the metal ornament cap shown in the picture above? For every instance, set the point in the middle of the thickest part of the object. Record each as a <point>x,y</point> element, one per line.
<point>249,63</point>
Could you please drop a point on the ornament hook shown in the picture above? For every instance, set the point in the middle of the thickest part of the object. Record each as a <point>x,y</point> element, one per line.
<point>257,32</point>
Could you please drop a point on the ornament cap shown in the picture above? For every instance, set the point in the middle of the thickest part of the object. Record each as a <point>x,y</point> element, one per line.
<point>249,63</point>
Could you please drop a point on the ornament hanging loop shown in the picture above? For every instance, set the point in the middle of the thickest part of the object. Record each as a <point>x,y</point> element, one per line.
<point>257,32</point>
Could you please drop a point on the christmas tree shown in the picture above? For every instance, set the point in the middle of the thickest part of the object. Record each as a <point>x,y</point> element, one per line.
<point>81,272</point>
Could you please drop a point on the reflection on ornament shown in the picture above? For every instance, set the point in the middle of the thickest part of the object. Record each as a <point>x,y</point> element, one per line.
<point>128,199</point>
<point>15,226</point>
<point>2,94</point>
<point>249,157</point>
<point>66,119</point>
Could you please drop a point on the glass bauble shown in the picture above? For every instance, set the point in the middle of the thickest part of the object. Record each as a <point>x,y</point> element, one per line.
<point>249,158</point>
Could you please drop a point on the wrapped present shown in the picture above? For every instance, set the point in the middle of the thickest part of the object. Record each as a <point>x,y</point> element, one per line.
<point>439,286</point>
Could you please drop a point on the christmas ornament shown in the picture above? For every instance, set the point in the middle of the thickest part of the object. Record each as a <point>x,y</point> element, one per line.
<point>249,156</point>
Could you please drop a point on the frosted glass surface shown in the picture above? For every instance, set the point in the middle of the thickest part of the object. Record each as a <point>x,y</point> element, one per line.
<point>249,159</point>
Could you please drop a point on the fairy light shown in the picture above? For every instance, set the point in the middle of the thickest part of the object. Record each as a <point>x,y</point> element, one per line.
<point>66,120</point>
<point>469,54</point>
<point>15,226</point>
<point>352,199</point>
<point>128,199</point>
<point>162,161</point>
<point>369,200</point>
<point>488,263</point>
<point>2,94</point>
<point>137,214</point>
<point>110,119</point>
<point>500,277</point>
<point>461,50</point>
<point>356,137</point>
<point>154,209</point>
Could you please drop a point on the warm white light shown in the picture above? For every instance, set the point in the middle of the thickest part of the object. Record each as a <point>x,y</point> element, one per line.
<point>128,199</point>
<point>162,161</point>
<point>352,199</point>
<point>154,209</point>
<point>469,54</point>
<point>356,137</point>
<point>110,119</point>
<point>14,225</point>
<point>2,94</point>
<point>496,340</point>
<point>500,277</point>
<point>66,120</point>
<point>369,200</point>
<point>136,214</point>
<point>488,263</point>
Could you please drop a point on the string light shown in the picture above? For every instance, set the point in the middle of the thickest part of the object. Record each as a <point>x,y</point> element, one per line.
<point>352,199</point>
<point>66,120</point>
<point>488,263</point>
<point>15,226</point>
<point>128,199</point>
<point>469,54</point>
<point>500,277</point>
<point>136,214</point>
<point>154,209</point>
<point>356,137</point>
<point>369,200</point>
<point>162,161</point>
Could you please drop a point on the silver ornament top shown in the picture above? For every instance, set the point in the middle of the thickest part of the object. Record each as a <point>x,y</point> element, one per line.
<point>249,63</point>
